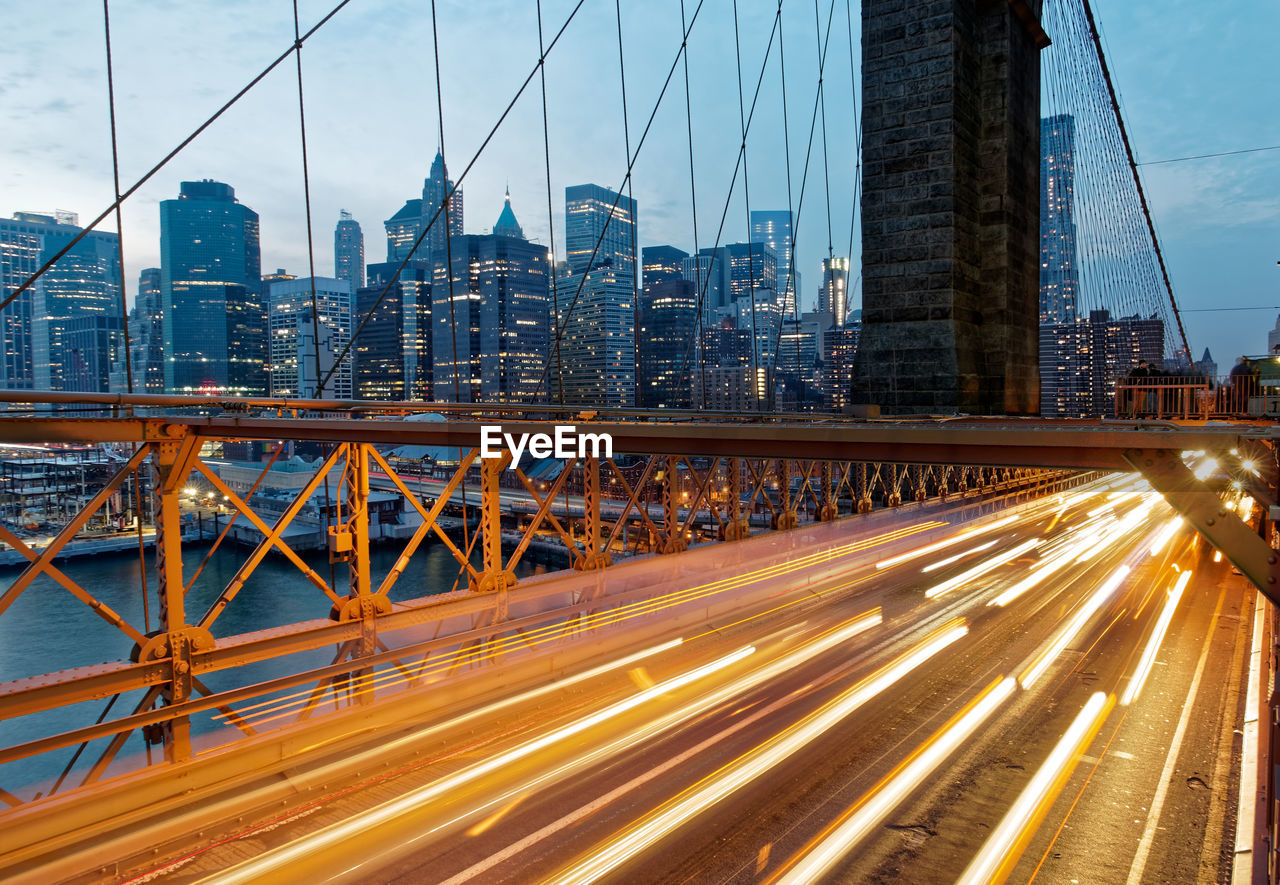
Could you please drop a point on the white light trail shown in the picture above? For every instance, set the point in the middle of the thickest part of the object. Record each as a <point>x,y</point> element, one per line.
<point>868,815</point>
<point>943,563</point>
<point>752,764</point>
<point>945,543</point>
<point>1073,627</point>
<point>1002,848</point>
<point>981,569</point>
<point>1170,529</point>
<point>1143,669</point>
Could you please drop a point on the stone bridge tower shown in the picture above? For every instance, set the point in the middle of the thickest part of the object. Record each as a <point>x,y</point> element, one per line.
<point>950,206</point>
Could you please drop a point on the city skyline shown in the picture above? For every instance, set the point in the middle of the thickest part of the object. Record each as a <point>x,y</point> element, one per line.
<point>1218,217</point>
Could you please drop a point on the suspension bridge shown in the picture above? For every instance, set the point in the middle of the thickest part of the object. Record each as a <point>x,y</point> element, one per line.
<point>932,637</point>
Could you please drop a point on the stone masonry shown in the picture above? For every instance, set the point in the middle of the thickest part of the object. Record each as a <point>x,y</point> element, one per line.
<point>950,206</point>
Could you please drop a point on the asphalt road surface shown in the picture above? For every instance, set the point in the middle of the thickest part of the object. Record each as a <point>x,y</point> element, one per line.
<point>1052,694</point>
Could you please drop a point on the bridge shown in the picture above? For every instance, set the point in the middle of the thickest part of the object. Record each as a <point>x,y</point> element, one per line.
<point>956,641</point>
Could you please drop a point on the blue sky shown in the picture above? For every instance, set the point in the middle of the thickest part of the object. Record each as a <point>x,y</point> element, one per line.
<point>1194,78</point>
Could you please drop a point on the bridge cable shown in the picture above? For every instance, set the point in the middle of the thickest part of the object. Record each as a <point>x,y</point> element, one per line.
<point>8,299</point>
<point>448,252</point>
<point>1137,179</point>
<point>635,258</point>
<point>115,178</point>
<point>124,310</point>
<point>306,193</point>
<point>804,178</point>
<point>618,193</point>
<point>698,329</point>
<point>551,223</point>
<point>311,266</point>
<point>754,365</point>
<point>458,183</point>
<point>733,184</point>
<point>826,169</point>
<point>790,287</point>
<point>856,201</point>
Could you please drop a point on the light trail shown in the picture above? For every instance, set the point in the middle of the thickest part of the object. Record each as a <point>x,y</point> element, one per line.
<point>287,705</point>
<point>1002,849</point>
<point>263,865</point>
<point>981,569</point>
<point>945,543</point>
<point>1072,628</point>
<point>943,563</point>
<point>752,764</point>
<point>826,850</point>
<point>1170,529</point>
<point>344,832</point>
<point>1143,669</point>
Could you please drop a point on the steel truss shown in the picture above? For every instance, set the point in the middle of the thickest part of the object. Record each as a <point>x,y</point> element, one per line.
<point>668,485</point>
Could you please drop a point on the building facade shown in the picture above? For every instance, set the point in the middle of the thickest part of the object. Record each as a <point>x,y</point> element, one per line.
<point>214,313</point>
<point>597,215</point>
<point>774,227</point>
<point>85,282</point>
<point>309,329</point>
<point>491,317</point>
<point>666,353</point>
<point>348,250</point>
<point>393,352</point>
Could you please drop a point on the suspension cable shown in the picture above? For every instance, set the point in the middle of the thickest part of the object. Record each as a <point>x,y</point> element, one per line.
<point>754,364</point>
<point>551,222</point>
<point>635,259</point>
<point>30,281</point>
<point>306,194</point>
<point>115,179</point>
<point>458,182</point>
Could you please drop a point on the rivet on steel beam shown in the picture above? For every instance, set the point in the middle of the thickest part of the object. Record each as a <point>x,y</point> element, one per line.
<point>1210,521</point>
<point>1150,463</point>
<point>1271,560</point>
<point>1271,579</point>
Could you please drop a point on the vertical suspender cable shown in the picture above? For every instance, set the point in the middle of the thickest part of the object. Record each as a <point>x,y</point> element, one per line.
<point>635,261</point>
<point>754,366</point>
<point>124,308</point>
<point>306,192</point>
<point>699,332</point>
<point>551,222</point>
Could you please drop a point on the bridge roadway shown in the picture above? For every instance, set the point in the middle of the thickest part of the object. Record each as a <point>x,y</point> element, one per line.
<point>902,728</point>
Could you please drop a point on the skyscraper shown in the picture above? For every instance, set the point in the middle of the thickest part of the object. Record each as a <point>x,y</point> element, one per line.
<point>666,352</point>
<point>393,353</point>
<point>1084,358</point>
<point>84,283</point>
<point>595,214</point>
<point>305,345</point>
<point>662,264</point>
<point>490,337</point>
<point>348,251</point>
<point>434,190</point>
<point>773,226</point>
<point>404,228</point>
<point>1059,272</point>
<point>146,339</point>
<point>210,289</point>
<point>597,359</point>
<point>833,297</point>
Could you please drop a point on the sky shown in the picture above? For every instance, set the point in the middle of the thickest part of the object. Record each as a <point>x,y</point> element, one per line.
<point>1194,78</point>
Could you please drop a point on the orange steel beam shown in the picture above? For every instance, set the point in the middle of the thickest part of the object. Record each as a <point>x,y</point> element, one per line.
<point>978,442</point>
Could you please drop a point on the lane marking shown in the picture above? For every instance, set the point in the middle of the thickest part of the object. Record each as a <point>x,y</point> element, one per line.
<point>1248,808</point>
<point>1166,774</point>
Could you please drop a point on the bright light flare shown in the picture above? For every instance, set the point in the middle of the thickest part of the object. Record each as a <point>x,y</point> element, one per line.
<point>877,804</point>
<point>1206,468</point>
<point>1073,627</point>
<point>1143,670</point>
<point>981,569</point>
<point>943,544</point>
<point>1004,846</point>
<point>752,764</point>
